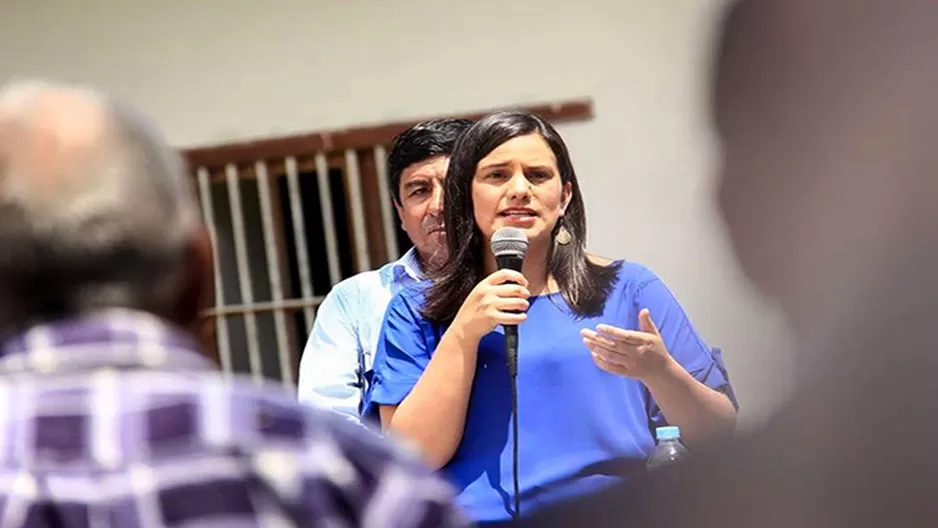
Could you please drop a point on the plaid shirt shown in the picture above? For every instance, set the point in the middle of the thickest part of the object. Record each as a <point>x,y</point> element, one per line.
<point>115,421</point>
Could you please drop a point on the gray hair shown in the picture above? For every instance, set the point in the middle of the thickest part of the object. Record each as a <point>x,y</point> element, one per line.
<point>106,225</point>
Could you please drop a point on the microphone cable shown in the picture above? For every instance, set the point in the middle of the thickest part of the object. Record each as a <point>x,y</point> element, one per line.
<point>512,345</point>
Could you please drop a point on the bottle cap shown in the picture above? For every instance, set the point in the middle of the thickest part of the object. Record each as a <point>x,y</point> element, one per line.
<point>671,432</point>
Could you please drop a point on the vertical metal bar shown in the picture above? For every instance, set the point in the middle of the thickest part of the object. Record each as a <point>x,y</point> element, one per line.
<point>244,272</point>
<point>208,216</point>
<point>359,233</point>
<point>387,207</point>
<point>299,236</point>
<point>273,270</point>
<point>328,217</point>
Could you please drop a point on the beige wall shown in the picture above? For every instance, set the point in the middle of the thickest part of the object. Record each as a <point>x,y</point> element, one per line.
<point>216,71</point>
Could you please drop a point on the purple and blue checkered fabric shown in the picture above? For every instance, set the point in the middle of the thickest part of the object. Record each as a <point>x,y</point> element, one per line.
<point>115,421</point>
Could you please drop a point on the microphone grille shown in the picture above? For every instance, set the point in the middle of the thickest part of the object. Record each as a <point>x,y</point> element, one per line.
<point>509,241</point>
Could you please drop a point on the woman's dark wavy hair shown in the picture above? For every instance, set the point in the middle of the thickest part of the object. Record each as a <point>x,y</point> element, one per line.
<point>583,284</point>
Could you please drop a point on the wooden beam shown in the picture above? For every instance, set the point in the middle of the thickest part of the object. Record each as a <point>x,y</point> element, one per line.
<point>354,138</point>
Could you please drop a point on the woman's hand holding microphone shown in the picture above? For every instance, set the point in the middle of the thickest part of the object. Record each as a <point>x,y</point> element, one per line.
<point>501,298</point>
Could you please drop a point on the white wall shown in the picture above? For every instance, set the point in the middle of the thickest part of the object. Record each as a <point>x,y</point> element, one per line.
<point>217,71</point>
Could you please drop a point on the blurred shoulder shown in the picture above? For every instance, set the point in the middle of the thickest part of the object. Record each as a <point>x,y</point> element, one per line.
<point>288,441</point>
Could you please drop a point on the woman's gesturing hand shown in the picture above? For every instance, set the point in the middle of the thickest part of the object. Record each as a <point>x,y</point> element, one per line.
<point>637,354</point>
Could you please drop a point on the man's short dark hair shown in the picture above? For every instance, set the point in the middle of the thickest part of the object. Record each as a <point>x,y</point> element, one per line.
<point>436,137</point>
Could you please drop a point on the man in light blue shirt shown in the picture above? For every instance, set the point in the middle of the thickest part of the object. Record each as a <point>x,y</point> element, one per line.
<point>335,368</point>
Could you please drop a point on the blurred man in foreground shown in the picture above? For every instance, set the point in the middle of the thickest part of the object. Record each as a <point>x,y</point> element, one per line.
<point>828,117</point>
<point>111,415</point>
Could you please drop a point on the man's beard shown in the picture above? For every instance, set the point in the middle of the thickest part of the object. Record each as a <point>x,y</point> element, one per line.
<point>437,254</point>
<point>435,258</point>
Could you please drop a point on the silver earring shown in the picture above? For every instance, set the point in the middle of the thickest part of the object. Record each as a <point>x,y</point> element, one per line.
<point>563,236</point>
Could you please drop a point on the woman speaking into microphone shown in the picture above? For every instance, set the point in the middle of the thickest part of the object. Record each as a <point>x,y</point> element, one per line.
<point>605,352</point>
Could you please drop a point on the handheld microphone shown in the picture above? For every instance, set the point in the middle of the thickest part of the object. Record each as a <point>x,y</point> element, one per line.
<point>509,244</point>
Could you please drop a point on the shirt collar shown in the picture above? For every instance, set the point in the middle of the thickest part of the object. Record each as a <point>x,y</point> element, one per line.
<point>408,266</point>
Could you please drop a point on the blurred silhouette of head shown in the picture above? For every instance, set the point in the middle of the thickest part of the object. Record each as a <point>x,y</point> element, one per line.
<point>827,117</point>
<point>96,211</point>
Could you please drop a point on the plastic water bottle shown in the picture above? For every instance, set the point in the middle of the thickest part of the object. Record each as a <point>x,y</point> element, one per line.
<point>669,448</point>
